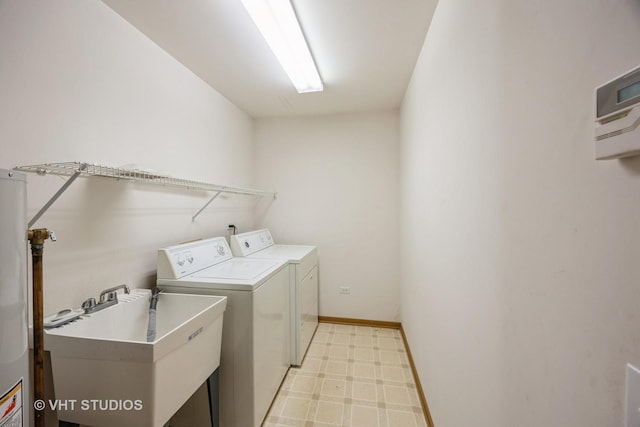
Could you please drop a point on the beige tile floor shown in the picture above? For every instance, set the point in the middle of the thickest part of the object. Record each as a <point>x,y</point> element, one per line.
<point>351,376</point>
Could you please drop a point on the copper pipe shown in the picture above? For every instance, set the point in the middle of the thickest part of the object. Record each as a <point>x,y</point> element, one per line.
<point>37,238</point>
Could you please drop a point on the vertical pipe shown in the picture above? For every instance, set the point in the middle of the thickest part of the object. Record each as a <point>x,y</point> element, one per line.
<point>37,238</point>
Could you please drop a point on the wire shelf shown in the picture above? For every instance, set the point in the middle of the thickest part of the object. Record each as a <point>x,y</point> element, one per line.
<point>92,169</point>
<point>76,169</point>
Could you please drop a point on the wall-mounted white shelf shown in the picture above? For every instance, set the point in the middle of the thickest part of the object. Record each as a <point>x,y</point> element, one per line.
<point>76,169</point>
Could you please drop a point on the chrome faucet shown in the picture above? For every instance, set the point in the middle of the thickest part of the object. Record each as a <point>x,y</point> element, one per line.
<point>111,294</point>
<point>107,298</point>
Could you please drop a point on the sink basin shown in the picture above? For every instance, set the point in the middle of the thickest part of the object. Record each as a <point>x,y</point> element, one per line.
<point>103,364</point>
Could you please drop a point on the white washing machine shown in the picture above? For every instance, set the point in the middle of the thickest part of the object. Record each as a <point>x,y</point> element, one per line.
<point>303,282</point>
<point>255,333</point>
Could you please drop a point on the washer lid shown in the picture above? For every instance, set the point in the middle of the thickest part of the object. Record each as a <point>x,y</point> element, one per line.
<point>237,269</point>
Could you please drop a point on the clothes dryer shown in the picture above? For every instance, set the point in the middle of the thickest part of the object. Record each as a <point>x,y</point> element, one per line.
<point>303,282</point>
<point>255,350</point>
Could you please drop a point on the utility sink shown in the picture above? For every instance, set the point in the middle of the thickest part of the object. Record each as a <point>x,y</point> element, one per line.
<point>109,375</point>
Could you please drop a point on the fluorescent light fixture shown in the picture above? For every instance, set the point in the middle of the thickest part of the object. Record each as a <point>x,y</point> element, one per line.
<point>279,26</point>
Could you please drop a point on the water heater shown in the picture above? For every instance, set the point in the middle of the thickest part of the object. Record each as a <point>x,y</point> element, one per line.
<point>14,355</point>
<point>617,127</point>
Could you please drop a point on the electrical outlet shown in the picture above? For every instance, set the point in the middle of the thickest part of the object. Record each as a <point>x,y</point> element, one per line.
<point>633,397</point>
<point>345,290</point>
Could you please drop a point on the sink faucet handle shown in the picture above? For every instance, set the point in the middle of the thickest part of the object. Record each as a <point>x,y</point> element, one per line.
<point>89,303</point>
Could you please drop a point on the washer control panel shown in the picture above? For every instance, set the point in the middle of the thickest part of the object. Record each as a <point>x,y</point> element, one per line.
<point>187,258</point>
<point>253,241</point>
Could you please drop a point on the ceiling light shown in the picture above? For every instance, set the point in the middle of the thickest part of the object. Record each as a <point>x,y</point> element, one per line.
<point>279,26</point>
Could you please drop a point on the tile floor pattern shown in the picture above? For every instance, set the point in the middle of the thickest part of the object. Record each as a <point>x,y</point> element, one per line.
<point>351,376</point>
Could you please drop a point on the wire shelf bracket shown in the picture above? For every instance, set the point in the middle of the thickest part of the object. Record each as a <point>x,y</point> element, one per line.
<point>76,169</point>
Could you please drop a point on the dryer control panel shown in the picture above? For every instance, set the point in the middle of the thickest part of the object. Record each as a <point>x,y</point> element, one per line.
<point>180,260</point>
<point>245,244</point>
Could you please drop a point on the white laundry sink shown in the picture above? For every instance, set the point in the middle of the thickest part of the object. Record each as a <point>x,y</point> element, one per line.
<point>108,374</point>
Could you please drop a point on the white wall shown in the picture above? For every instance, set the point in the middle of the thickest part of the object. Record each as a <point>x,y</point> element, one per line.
<point>337,182</point>
<point>520,270</point>
<point>77,82</point>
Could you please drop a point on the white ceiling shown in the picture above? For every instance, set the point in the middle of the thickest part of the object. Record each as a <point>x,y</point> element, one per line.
<point>365,50</point>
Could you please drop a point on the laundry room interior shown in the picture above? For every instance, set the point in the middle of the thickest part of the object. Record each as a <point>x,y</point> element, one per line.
<point>449,180</point>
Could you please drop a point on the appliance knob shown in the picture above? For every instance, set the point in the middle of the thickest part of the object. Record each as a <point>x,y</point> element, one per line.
<point>246,244</point>
<point>190,259</point>
<point>220,250</point>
